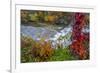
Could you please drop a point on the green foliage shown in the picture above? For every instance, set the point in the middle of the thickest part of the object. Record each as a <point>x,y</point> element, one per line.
<point>48,17</point>
<point>41,51</point>
<point>62,55</point>
<point>58,55</point>
<point>26,56</point>
<point>26,45</point>
<point>33,17</point>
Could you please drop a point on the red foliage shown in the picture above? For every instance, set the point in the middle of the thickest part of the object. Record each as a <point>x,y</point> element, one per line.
<point>78,37</point>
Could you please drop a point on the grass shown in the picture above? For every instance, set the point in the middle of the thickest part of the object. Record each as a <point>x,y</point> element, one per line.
<point>62,55</point>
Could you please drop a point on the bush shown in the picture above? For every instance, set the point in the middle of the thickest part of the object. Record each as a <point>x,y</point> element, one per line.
<point>26,42</point>
<point>26,45</point>
<point>42,50</point>
<point>62,54</point>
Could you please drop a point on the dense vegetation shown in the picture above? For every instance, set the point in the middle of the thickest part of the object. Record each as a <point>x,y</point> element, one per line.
<point>80,40</point>
<point>33,50</point>
<point>47,17</point>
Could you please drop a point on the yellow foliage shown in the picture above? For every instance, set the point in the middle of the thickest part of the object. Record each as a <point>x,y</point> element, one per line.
<point>42,49</point>
<point>33,17</point>
<point>50,18</point>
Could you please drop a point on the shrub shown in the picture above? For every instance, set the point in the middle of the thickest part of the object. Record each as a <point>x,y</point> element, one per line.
<point>62,54</point>
<point>42,50</point>
<point>26,42</point>
<point>26,45</point>
<point>80,41</point>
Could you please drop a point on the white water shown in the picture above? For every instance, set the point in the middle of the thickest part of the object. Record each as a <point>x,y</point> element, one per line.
<point>62,37</point>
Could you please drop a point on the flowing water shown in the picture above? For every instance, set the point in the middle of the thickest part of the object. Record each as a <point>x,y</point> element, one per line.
<point>56,34</point>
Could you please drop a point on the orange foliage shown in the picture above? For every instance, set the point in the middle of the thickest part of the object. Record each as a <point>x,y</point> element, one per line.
<point>50,18</point>
<point>42,49</point>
